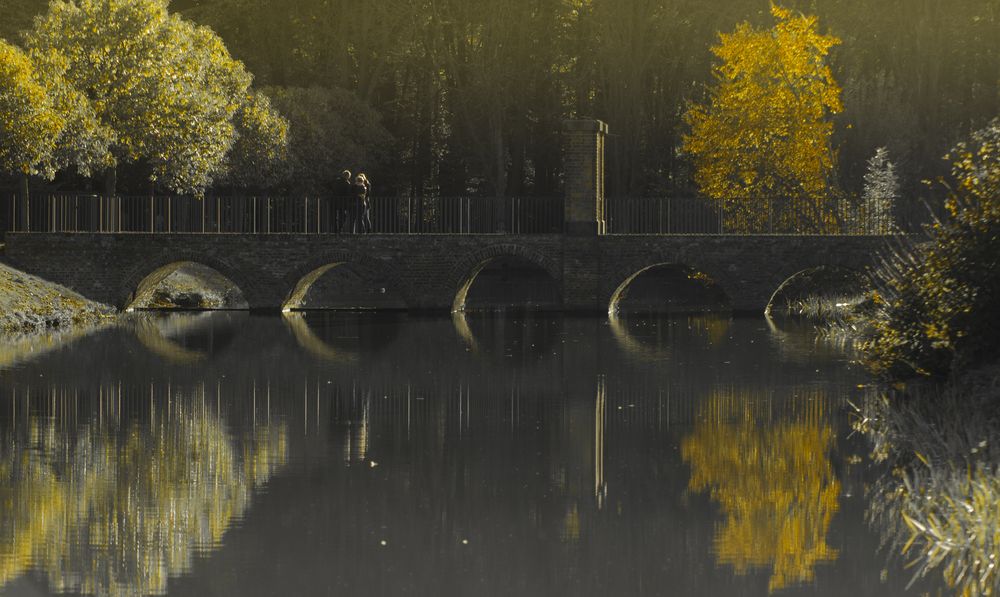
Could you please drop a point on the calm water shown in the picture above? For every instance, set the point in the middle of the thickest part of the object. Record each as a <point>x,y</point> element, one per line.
<point>223,454</point>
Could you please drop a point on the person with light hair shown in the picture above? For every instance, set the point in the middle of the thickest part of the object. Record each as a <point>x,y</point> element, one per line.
<point>364,188</point>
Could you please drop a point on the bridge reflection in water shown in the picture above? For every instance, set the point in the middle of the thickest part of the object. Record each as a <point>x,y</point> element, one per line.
<point>588,456</point>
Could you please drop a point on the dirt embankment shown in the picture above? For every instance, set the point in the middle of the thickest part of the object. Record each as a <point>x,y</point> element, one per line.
<point>29,305</point>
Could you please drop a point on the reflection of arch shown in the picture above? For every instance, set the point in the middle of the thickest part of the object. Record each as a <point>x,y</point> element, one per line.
<point>826,274</point>
<point>464,274</point>
<point>159,335</point>
<point>153,339</point>
<point>148,276</point>
<point>463,330</point>
<point>709,328</point>
<point>303,279</point>
<point>622,289</point>
<point>633,346</point>
<point>307,339</point>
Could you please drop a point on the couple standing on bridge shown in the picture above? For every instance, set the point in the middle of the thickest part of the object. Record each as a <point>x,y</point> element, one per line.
<point>350,204</point>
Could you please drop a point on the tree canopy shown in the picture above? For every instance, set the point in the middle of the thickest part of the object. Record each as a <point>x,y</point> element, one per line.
<point>166,90</point>
<point>472,92</point>
<point>761,144</point>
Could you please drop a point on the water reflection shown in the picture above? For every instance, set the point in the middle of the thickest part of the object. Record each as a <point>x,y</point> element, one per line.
<point>772,476</point>
<point>519,337</point>
<point>118,502</point>
<point>340,336</point>
<point>937,507</point>
<point>492,454</point>
<point>186,338</point>
<point>650,338</point>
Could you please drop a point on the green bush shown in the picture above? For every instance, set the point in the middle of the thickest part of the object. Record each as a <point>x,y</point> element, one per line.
<point>939,299</point>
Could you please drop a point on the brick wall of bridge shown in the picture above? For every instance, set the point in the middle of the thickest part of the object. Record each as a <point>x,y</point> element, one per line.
<point>428,271</point>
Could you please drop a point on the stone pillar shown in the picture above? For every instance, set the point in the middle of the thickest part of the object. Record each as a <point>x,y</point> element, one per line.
<point>583,163</point>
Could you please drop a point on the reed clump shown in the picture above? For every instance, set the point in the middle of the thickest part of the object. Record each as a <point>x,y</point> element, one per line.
<point>939,509</point>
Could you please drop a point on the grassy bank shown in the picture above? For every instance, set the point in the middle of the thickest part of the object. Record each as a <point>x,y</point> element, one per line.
<point>30,305</point>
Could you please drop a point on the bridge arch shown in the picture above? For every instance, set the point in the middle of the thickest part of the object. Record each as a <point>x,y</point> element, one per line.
<point>835,281</point>
<point>150,273</point>
<point>712,284</point>
<point>465,273</point>
<point>370,270</point>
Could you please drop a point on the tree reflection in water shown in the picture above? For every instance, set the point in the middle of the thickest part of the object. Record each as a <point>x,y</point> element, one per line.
<point>117,506</point>
<point>772,476</point>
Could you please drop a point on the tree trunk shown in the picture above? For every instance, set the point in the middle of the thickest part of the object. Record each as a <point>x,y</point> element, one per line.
<point>111,181</point>
<point>500,184</point>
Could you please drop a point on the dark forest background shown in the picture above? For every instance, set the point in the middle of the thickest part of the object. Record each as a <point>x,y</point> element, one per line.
<point>457,97</point>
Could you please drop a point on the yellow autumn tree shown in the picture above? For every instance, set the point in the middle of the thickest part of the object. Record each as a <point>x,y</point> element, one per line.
<point>773,480</point>
<point>761,143</point>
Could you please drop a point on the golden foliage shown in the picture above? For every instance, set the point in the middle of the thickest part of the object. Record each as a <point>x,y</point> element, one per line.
<point>167,91</point>
<point>29,122</point>
<point>761,145</point>
<point>774,482</point>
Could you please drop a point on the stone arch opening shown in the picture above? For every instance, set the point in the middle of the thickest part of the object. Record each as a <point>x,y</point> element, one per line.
<point>820,291</point>
<point>508,282</point>
<point>668,288</point>
<point>344,286</point>
<point>187,286</point>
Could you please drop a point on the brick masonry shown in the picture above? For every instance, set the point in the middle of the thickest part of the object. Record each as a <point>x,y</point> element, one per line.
<point>431,271</point>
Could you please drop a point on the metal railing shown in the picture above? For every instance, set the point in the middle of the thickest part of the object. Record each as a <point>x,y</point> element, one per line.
<point>678,216</point>
<point>432,215</point>
<point>282,215</point>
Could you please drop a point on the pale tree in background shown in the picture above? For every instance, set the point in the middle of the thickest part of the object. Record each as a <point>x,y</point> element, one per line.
<point>880,193</point>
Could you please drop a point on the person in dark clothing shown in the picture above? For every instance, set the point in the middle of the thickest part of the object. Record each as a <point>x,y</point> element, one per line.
<point>343,197</point>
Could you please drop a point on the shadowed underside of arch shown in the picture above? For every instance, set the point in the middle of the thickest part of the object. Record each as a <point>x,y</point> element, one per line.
<point>508,283</point>
<point>343,285</point>
<point>827,282</point>
<point>495,269</point>
<point>667,287</point>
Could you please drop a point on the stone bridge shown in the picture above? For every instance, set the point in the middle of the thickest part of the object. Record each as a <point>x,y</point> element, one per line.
<point>589,268</point>
<point>430,272</point>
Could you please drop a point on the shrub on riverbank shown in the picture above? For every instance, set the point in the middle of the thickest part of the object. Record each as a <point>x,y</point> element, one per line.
<point>938,301</point>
